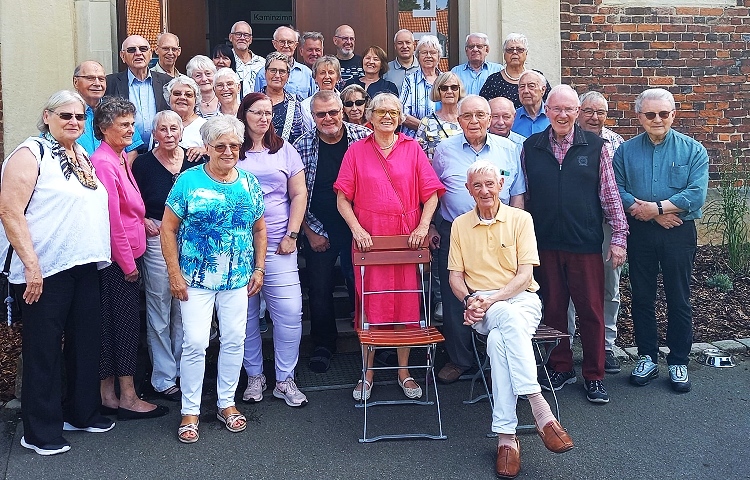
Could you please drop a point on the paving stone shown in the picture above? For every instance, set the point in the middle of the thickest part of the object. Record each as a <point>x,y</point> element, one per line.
<point>745,342</point>
<point>731,346</point>
<point>663,352</point>
<point>620,353</point>
<point>632,352</point>
<point>698,348</point>
<point>14,404</point>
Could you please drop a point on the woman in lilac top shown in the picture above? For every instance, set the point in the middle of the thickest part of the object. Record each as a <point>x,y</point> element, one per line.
<point>279,169</point>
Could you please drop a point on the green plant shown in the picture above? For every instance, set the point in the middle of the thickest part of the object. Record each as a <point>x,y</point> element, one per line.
<point>728,215</point>
<point>720,282</point>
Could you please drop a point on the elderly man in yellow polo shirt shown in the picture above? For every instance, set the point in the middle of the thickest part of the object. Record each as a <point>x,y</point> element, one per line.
<point>492,257</point>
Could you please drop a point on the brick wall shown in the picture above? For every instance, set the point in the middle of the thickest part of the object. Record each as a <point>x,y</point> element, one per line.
<point>699,54</point>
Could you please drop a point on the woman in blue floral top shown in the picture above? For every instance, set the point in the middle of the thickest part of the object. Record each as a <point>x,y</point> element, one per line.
<point>213,238</point>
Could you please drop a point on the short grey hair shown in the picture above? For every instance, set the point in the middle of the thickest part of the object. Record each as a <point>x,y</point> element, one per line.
<point>563,88</point>
<point>592,96</point>
<point>278,56</point>
<point>220,125</point>
<point>226,72</point>
<point>199,62</point>
<point>403,30</point>
<point>182,80</point>
<point>538,75</point>
<point>325,96</point>
<point>166,116</point>
<point>57,100</point>
<point>77,70</point>
<point>313,36</point>
<point>296,33</point>
<point>241,22</point>
<point>483,36</point>
<point>516,38</point>
<point>108,111</point>
<point>167,34</point>
<point>483,166</point>
<point>473,97</point>
<point>326,60</point>
<point>654,94</point>
<point>379,100</point>
<point>430,41</point>
<point>441,80</point>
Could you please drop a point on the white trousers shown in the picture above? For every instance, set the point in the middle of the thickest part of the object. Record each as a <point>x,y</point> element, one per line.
<point>197,311</point>
<point>283,294</point>
<point>163,318</point>
<point>611,297</point>
<point>509,326</point>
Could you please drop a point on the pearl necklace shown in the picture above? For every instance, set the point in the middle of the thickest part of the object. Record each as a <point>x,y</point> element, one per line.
<point>515,79</point>
<point>395,137</point>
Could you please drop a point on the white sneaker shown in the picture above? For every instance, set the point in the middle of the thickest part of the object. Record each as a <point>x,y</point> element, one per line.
<point>288,391</point>
<point>256,385</point>
<point>46,449</point>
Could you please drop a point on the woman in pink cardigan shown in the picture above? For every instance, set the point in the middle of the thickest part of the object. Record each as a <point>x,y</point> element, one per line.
<point>114,124</point>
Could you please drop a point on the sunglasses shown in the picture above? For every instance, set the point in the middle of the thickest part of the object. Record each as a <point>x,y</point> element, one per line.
<point>329,113</point>
<point>444,88</point>
<point>67,116</point>
<point>142,48</point>
<point>380,112</point>
<point>351,103</point>
<point>664,114</point>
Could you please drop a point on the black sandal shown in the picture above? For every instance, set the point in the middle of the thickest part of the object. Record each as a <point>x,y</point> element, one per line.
<point>173,394</point>
<point>320,361</point>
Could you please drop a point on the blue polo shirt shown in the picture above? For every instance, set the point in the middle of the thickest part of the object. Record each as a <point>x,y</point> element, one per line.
<point>473,81</point>
<point>526,126</point>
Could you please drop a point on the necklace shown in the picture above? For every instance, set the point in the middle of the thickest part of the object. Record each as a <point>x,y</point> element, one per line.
<point>208,102</point>
<point>515,79</point>
<point>395,137</point>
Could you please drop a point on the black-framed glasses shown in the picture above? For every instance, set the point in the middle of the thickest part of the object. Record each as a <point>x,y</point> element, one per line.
<point>286,43</point>
<point>242,34</point>
<point>453,88</point>
<point>329,113</point>
<point>222,147</point>
<point>475,47</point>
<point>664,114</point>
<point>67,116</point>
<point>515,50</point>
<point>142,48</point>
<point>351,103</point>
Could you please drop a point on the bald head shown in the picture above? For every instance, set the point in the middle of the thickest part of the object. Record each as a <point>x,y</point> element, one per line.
<point>343,38</point>
<point>503,114</point>
<point>136,53</point>
<point>90,82</point>
<point>168,49</point>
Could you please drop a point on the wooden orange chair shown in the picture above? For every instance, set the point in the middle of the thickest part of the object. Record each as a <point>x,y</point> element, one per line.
<point>394,250</point>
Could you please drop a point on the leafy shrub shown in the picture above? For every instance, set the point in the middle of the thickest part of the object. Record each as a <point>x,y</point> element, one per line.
<point>720,282</point>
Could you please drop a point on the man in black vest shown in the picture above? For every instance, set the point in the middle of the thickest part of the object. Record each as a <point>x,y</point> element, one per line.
<point>571,190</point>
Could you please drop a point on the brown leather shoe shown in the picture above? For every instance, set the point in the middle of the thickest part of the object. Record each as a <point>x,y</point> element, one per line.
<point>508,463</point>
<point>449,373</point>
<point>555,437</point>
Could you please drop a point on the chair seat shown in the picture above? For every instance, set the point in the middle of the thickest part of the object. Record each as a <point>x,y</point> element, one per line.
<point>400,338</point>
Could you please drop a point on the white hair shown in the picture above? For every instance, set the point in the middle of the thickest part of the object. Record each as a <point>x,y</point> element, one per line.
<point>430,41</point>
<point>477,35</point>
<point>220,125</point>
<point>516,38</point>
<point>483,166</point>
<point>199,62</point>
<point>654,94</point>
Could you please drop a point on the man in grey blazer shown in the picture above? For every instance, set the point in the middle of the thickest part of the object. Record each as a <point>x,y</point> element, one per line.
<point>144,88</point>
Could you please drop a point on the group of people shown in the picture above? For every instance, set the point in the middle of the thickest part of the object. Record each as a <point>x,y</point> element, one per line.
<point>201,186</point>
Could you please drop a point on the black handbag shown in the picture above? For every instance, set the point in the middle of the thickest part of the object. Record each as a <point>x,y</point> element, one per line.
<point>12,311</point>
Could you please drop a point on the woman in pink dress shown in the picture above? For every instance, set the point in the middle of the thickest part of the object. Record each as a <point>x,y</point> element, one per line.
<point>386,186</point>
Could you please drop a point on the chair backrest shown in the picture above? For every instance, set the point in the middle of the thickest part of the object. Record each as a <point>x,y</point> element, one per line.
<point>394,250</point>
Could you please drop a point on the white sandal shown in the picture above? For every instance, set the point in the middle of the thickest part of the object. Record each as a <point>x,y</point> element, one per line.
<point>357,393</point>
<point>408,391</point>
<point>189,427</point>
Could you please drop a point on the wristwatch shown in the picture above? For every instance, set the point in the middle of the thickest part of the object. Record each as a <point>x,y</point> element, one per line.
<point>466,300</point>
<point>292,235</point>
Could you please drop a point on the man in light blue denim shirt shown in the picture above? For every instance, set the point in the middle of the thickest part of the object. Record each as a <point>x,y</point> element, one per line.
<point>662,176</point>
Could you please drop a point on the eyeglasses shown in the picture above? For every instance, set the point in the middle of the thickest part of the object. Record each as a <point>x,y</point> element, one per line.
<point>228,85</point>
<point>188,94</point>
<point>260,113</point>
<point>277,71</point>
<point>429,53</point>
<point>475,47</point>
<point>515,50</point>
<point>590,112</point>
<point>664,114</point>
<point>285,43</point>
<point>242,34</point>
<point>345,39</point>
<point>351,103</point>
<point>468,116</point>
<point>92,78</point>
<point>329,113</point>
<point>222,148</point>
<point>453,88</point>
<point>142,48</point>
<point>559,110</point>
<point>381,112</point>
<point>67,116</point>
